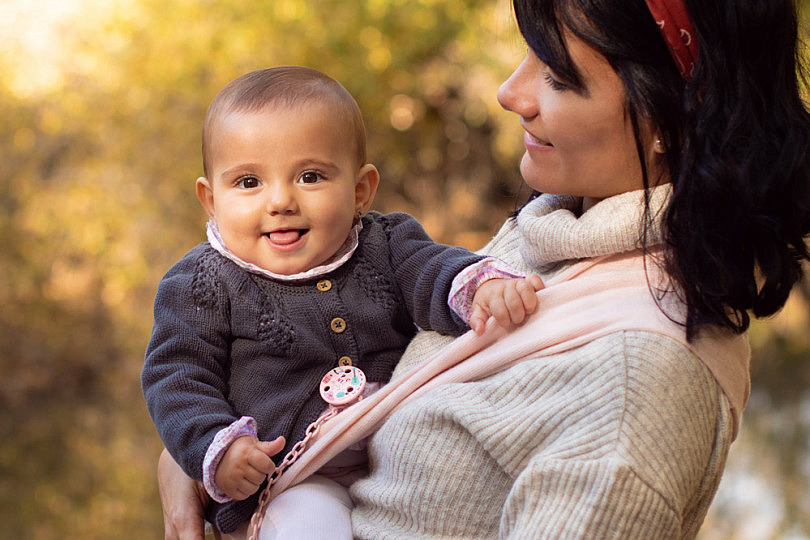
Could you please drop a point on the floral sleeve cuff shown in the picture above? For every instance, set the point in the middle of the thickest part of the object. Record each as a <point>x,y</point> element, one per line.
<point>245,426</point>
<point>468,280</point>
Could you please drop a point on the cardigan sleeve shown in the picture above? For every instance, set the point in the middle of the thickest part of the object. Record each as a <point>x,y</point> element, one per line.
<point>184,377</point>
<point>424,272</point>
<point>467,282</point>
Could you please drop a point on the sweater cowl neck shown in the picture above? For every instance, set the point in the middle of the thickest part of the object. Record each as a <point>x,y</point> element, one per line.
<point>553,232</point>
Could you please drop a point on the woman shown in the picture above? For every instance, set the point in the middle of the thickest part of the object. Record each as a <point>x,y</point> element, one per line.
<point>670,143</point>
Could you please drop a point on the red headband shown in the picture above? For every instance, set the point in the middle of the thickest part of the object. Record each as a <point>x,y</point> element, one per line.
<point>676,26</point>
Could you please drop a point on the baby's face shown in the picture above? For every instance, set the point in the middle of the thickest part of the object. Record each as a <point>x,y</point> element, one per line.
<point>283,186</point>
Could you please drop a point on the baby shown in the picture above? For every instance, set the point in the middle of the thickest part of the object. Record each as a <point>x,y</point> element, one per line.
<point>296,279</point>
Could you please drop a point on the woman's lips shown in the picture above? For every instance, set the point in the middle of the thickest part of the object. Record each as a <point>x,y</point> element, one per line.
<point>533,142</point>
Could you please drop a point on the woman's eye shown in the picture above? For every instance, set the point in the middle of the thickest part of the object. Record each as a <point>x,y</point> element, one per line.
<point>310,177</point>
<point>553,83</point>
<point>248,182</point>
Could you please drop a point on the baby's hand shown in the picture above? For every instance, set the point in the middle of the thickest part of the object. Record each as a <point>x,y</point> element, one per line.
<point>508,300</point>
<point>245,465</point>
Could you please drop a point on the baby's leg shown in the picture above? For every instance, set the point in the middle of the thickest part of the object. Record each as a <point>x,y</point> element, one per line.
<point>317,508</point>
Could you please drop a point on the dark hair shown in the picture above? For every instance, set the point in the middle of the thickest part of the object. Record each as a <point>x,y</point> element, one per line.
<point>284,86</point>
<point>737,137</point>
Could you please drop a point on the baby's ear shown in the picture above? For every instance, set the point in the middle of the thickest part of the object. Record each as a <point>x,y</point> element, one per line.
<point>368,178</point>
<point>206,195</point>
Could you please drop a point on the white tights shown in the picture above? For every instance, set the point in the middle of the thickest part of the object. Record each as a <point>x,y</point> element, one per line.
<point>317,508</point>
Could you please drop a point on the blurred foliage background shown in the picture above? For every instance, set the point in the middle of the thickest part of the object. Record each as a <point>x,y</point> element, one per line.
<point>101,107</point>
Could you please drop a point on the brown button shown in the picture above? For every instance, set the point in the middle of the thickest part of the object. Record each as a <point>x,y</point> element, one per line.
<point>324,285</point>
<point>338,325</point>
<point>344,361</point>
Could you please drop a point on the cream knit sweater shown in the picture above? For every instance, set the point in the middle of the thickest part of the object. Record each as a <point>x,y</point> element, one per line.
<point>623,437</point>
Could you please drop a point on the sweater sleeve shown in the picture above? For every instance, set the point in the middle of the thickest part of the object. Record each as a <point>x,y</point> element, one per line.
<point>424,271</point>
<point>184,377</point>
<point>607,497</point>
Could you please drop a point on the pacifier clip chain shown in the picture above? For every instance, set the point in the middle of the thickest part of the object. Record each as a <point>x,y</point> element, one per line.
<point>340,387</point>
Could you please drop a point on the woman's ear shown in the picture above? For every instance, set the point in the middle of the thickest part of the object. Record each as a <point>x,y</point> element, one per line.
<point>368,178</point>
<point>206,195</point>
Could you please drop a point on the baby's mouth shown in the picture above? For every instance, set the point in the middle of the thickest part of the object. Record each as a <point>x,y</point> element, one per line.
<point>284,237</point>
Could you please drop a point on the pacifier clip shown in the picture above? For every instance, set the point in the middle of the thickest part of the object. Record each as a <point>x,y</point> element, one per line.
<point>340,387</point>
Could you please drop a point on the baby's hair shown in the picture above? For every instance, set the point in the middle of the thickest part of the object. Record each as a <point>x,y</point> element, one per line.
<point>284,87</point>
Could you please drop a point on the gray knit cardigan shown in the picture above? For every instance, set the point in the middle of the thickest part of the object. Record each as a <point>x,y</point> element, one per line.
<point>228,343</point>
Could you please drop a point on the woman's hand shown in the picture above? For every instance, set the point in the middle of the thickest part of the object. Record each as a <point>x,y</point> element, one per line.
<point>183,501</point>
<point>508,300</point>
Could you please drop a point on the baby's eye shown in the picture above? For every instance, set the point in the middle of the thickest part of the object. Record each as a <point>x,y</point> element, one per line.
<point>310,177</point>
<point>248,182</point>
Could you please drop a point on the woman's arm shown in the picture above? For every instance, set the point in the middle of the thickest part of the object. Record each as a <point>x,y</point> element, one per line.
<point>183,501</point>
<point>640,457</point>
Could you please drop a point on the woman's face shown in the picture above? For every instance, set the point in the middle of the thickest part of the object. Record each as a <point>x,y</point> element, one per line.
<point>578,141</point>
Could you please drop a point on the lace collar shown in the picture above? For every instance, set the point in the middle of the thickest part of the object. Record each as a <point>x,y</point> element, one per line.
<point>342,255</point>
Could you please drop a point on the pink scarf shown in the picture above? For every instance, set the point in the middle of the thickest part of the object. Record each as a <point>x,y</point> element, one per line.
<point>589,300</point>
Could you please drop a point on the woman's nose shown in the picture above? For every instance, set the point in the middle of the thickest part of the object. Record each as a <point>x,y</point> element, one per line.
<point>515,93</point>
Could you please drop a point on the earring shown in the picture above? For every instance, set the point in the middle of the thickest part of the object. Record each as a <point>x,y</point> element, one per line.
<point>658,146</point>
